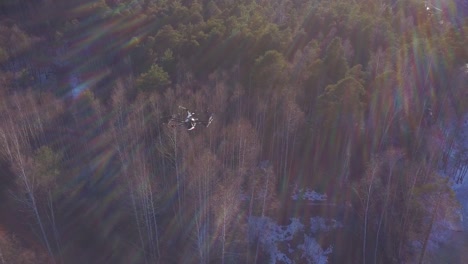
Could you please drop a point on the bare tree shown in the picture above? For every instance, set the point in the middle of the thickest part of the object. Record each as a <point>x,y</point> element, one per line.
<point>292,118</point>
<point>370,178</point>
<point>226,208</point>
<point>438,201</point>
<point>24,120</point>
<point>129,133</point>
<point>201,182</point>
<point>392,158</point>
<point>15,145</point>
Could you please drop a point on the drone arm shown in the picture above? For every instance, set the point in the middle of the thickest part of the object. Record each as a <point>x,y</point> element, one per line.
<point>207,122</point>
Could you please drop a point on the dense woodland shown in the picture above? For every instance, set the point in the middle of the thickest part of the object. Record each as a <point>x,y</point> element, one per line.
<point>359,100</point>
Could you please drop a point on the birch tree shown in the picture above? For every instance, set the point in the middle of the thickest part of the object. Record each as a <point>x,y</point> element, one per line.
<point>367,200</point>
<point>15,147</point>
<point>226,206</point>
<point>130,132</point>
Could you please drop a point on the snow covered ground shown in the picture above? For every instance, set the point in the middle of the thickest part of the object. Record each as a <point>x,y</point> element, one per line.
<point>461,189</point>
<point>455,248</point>
<point>295,242</point>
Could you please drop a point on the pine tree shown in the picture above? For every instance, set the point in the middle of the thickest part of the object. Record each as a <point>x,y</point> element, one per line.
<point>335,62</point>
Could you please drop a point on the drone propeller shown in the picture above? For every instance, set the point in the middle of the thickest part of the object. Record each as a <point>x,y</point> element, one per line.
<point>209,120</point>
<point>190,121</point>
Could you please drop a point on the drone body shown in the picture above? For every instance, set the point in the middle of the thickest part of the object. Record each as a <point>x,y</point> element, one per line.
<point>190,121</point>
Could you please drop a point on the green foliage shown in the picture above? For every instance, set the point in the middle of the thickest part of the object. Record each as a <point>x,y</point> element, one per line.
<point>167,37</point>
<point>359,72</point>
<point>168,56</point>
<point>270,70</point>
<point>168,61</point>
<point>343,103</point>
<point>313,86</point>
<point>215,28</point>
<point>335,62</point>
<point>153,80</point>
<point>212,9</point>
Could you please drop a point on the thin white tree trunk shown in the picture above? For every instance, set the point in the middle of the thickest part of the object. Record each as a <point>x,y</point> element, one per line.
<point>41,225</point>
<point>153,213</point>
<point>405,215</point>
<point>133,200</point>
<point>346,164</point>
<point>224,235</point>
<point>263,210</point>
<point>366,215</point>
<point>267,182</point>
<point>200,215</point>
<point>54,226</point>
<point>384,210</point>
<point>177,176</point>
<point>30,191</point>
<point>199,239</point>
<point>250,217</point>
<point>146,217</point>
<point>137,220</point>
<point>426,239</point>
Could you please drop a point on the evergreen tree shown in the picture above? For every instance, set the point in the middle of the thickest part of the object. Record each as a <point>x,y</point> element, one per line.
<point>156,79</point>
<point>335,62</point>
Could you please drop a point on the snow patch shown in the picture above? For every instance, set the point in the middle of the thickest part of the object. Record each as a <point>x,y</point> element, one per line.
<point>313,252</point>
<point>276,240</point>
<point>461,188</point>
<point>440,234</point>
<point>308,195</point>
<point>318,224</point>
<point>270,234</point>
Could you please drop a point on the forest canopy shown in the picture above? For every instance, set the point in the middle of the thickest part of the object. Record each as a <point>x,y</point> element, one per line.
<point>361,101</point>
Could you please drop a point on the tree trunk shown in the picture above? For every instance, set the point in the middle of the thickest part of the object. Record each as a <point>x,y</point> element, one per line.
<point>428,234</point>
<point>223,251</point>
<point>54,226</point>
<point>18,158</point>
<point>384,210</point>
<point>177,176</point>
<point>405,215</point>
<point>366,215</point>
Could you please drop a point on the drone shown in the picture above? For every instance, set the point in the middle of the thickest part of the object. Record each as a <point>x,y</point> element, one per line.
<point>190,121</point>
